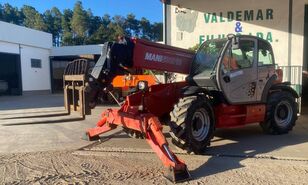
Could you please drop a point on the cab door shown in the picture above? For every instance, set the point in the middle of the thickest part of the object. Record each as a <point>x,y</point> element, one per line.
<point>237,72</point>
<point>266,68</point>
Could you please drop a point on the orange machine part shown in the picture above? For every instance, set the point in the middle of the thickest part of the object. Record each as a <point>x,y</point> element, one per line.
<point>122,81</point>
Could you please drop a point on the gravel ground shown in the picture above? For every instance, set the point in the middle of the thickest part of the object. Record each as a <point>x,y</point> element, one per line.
<point>88,167</point>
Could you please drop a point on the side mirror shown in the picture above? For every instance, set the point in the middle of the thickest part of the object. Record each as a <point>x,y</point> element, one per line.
<point>235,41</point>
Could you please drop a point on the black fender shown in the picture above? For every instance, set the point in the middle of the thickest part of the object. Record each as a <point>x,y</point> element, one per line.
<point>193,90</point>
<point>267,88</point>
<point>283,87</point>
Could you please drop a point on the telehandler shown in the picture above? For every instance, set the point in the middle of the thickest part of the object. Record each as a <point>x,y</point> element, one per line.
<point>231,82</point>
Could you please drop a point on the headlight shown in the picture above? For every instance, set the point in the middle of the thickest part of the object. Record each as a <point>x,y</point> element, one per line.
<point>142,85</point>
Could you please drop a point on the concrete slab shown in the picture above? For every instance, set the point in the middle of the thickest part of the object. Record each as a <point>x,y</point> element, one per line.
<point>40,123</point>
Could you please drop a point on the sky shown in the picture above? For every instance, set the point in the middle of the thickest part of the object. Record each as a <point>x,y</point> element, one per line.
<point>150,9</point>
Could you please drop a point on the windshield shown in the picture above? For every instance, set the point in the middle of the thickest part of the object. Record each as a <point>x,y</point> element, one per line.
<point>207,56</point>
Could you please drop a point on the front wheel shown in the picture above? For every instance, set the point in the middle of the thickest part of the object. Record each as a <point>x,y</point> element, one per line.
<point>281,113</point>
<point>192,124</point>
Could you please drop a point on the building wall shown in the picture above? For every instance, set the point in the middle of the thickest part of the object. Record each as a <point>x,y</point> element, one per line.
<point>18,34</point>
<point>6,47</point>
<point>77,50</point>
<point>193,22</point>
<point>34,79</point>
<point>29,44</point>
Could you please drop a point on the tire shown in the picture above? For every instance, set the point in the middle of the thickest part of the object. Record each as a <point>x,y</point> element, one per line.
<point>281,113</point>
<point>192,124</point>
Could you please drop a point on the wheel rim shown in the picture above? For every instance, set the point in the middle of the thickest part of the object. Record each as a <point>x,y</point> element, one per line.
<point>200,124</point>
<point>283,113</point>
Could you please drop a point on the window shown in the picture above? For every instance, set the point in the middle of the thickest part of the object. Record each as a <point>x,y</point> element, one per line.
<point>265,56</point>
<point>206,57</point>
<point>240,58</point>
<point>36,63</point>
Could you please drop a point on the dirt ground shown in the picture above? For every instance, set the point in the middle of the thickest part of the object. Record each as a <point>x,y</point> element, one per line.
<point>69,167</point>
<point>42,145</point>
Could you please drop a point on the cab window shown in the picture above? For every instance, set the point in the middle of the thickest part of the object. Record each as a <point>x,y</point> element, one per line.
<point>265,54</point>
<point>239,58</point>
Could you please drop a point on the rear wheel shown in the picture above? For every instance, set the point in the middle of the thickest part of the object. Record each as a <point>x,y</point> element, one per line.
<point>192,124</point>
<point>281,113</point>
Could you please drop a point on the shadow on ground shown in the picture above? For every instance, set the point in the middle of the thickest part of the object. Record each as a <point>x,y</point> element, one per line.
<point>44,122</point>
<point>250,142</point>
<point>31,101</point>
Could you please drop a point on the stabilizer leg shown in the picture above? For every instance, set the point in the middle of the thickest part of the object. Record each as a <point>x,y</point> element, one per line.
<point>176,169</point>
<point>152,128</point>
<point>102,126</point>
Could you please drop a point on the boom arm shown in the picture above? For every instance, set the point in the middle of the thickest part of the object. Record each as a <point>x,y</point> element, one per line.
<point>120,58</point>
<point>135,54</point>
<point>155,56</point>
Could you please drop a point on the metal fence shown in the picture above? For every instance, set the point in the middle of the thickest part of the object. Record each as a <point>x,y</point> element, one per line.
<point>293,74</point>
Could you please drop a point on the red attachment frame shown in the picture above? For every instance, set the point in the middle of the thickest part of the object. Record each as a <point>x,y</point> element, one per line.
<point>146,121</point>
<point>152,128</point>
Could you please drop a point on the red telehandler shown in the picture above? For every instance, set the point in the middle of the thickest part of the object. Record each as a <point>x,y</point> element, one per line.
<point>231,82</point>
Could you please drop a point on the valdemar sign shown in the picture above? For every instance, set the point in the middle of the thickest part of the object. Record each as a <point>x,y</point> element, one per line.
<point>241,15</point>
<point>212,24</point>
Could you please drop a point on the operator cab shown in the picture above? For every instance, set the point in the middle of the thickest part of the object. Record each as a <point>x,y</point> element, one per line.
<point>239,67</point>
<point>203,71</point>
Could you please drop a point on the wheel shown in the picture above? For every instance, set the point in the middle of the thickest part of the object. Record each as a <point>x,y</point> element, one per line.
<point>281,113</point>
<point>133,133</point>
<point>192,124</point>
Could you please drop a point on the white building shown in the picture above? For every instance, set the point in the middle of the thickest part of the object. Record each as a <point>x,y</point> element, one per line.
<point>24,60</point>
<point>29,64</point>
<point>284,23</point>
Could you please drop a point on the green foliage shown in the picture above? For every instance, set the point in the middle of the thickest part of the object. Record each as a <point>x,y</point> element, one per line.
<point>10,14</point>
<point>80,21</point>
<point>32,18</point>
<point>145,28</point>
<point>53,19</point>
<point>131,25</point>
<point>157,31</point>
<point>80,26</point>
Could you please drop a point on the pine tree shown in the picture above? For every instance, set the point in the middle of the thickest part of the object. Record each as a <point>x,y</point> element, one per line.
<point>10,14</point>
<point>53,20</point>
<point>131,25</point>
<point>67,36</point>
<point>145,28</point>
<point>157,31</point>
<point>39,23</point>
<point>79,24</point>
